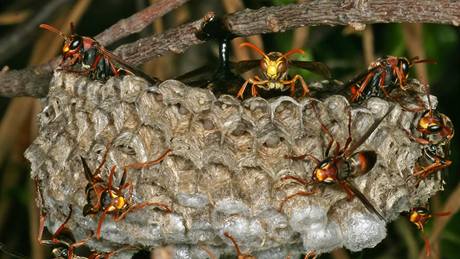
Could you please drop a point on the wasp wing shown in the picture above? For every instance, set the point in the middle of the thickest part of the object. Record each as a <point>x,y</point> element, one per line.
<point>243,66</point>
<point>129,68</point>
<point>86,170</point>
<point>366,135</point>
<point>313,66</point>
<point>362,198</point>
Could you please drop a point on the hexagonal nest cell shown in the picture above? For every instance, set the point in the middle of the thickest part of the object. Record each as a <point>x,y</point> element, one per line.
<point>224,173</point>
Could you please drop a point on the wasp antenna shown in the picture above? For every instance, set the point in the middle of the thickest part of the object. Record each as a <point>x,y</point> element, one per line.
<point>293,51</point>
<point>254,47</point>
<point>52,29</point>
<point>429,61</point>
<point>427,91</point>
<point>442,214</point>
<point>72,28</point>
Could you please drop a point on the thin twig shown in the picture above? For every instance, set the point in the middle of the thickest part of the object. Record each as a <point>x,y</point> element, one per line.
<point>414,42</point>
<point>368,45</point>
<point>19,38</point>
<point>266,20</point>
<point>453,206</point>
<point>138,21</point>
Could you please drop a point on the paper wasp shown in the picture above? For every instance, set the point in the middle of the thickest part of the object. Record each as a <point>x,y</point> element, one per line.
<point>274,67</point>
<point>338,167</point>
<point>104,197</point>
<point>84,55</point>
<point>382,77</point>
<point>63,237</point>
<point>434,131</point>
<point>419,216</point>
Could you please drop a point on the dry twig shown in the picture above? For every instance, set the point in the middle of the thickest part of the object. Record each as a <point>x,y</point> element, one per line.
<point>138,21</point>
<point>266,20</point>
<point>18,38</point>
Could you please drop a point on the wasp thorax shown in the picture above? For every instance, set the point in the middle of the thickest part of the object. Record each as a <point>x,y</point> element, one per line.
<point>326,172</point>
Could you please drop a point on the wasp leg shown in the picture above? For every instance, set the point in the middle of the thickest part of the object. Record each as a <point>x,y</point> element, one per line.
<point>363,86</point>
<point>310,255</point>
<point>302,157</point>
<point>439,164</point>
<point>243,87</point>
<point>326,130</point>
<point>346,188</point>
<point>75,245</point>
<point>143,165</point>
<point>292,82</point>
<point>104,159</point>
<point>99,224</point>
<point>295,178</point>
<point>421,141</point>
<point>112,172</point>
<point>427,246</point>
<point>54,238</point>
<point>301,193</point>
<point>162,206</point>
<point>348,142</point>
<point>255,84</point>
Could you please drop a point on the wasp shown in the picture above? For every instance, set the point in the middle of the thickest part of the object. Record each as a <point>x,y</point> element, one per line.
<point>419,216</point>
<point>274,69</point>
<point>84,55</point>
<point>108,199</point>
<point>434,132</point>
<point>63,236</point>
<point>341,165</point>
<point>382,77</point>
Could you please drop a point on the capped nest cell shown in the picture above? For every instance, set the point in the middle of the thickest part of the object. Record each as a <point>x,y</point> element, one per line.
<point>224,172</point>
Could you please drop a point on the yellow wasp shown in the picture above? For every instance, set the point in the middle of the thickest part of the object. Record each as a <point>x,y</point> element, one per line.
<point>274,68</point>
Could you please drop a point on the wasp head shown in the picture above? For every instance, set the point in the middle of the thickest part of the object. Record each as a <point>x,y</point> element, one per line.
<point>404,65</point>
<point>72,43</point>
<point>274,65</point>
<point>419,216</point>
<point>436,126</point>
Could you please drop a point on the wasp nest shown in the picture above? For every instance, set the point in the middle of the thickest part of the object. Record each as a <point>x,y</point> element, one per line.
<point>224,172</point>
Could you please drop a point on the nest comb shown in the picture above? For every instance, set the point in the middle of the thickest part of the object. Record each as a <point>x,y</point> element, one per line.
<point>223,174</point>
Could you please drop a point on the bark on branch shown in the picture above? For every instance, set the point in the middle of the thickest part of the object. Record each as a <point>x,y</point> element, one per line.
<point>274,19</point>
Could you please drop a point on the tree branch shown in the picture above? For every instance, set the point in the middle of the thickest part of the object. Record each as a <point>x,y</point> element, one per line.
<point>276,19</point>
<point>17,39</point>
<point>138,21</point>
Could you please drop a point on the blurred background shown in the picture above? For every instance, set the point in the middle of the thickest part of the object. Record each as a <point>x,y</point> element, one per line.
<point>346,51</point>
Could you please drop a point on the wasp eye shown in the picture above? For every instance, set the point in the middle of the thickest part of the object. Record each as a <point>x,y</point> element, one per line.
<point>75,43</point>
<point>263,64</point>
<point>404,65</point>
<point>282,67</point>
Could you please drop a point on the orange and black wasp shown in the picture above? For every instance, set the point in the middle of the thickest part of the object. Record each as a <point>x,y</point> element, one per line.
<point>419,216</point>
<point>434,131</point>
<point>341,165</point>
<point>104,197</point>
<point>84,55</point>
<point>62,237</point>
<point>381,78</point>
